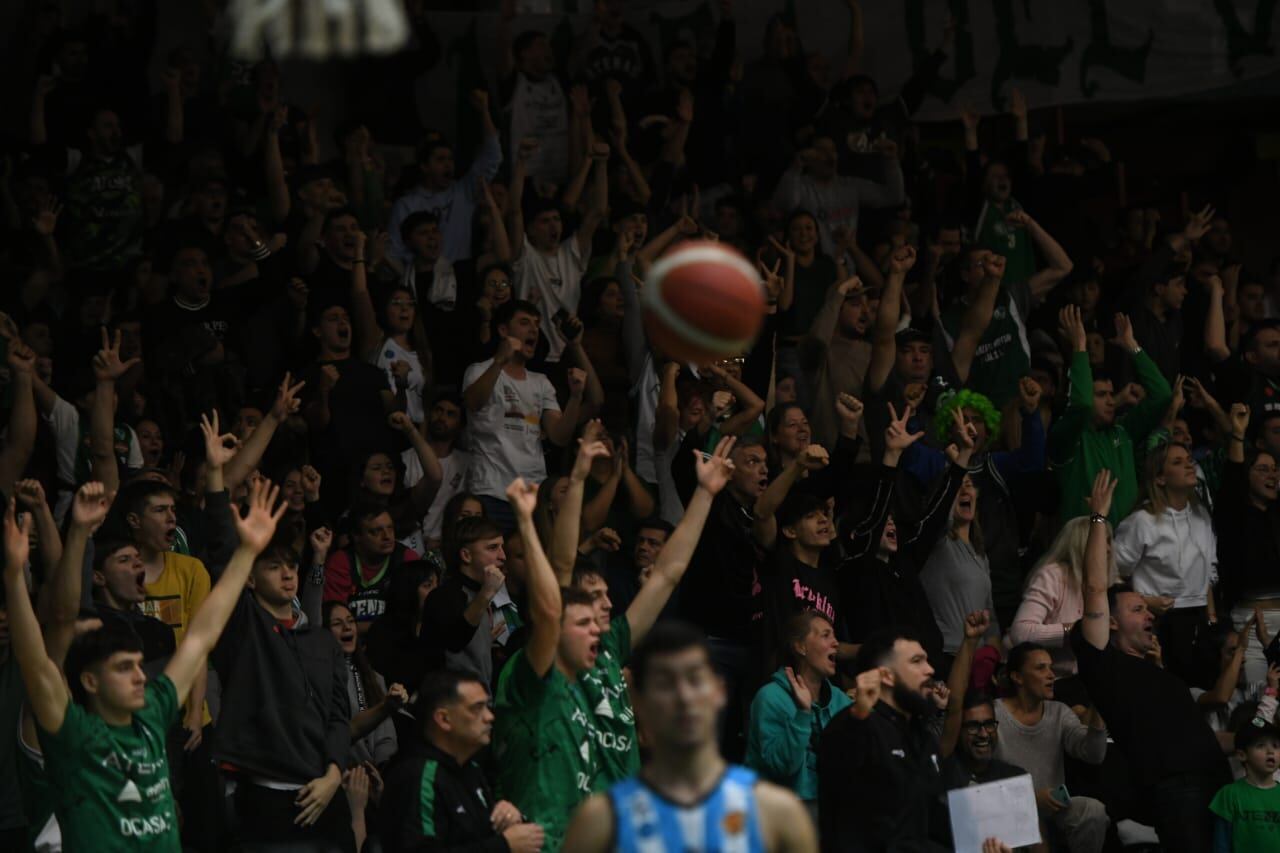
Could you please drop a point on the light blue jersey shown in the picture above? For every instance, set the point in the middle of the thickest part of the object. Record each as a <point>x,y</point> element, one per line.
<point>726,821</point>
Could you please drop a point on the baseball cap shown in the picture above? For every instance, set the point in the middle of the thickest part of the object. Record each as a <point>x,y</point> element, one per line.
<point>1253,731</point>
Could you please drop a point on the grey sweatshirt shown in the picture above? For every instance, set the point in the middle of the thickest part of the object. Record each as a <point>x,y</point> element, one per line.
<point>1040,748</point>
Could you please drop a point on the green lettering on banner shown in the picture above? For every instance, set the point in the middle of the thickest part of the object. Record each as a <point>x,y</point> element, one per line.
<point>1129,62</point>
<point>942,88</point>
<point>1240,42</point>
<point>1038,62</point>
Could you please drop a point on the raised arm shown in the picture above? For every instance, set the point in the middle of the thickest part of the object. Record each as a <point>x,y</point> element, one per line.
<point>598,203</point>
<point>1096,624</point>
<point>543,588</point>
<point>1059,263</point>
<point>476,395</point>
<point>107,370</point>
<point>750,406</point>
<point>714,473</point>
<point>364,318</point>
<point>563,548</point>
<point>884,347</point>
<point>423,491</point>
<point>515,196</point>
<point>976,625</point>
<point>21,438</point>
<point>31,497</point>
<point>973,325</point>
<point>497,224</point>
<point>1215,324</point>
<point>88,511</point>
<point>255,531</point>
<point>46,690</point>
<point>854,51</point>
<point>765,528</point>
<point>559,426</point>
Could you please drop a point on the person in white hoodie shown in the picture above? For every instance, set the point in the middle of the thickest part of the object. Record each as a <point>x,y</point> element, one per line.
<point>1167,547</point>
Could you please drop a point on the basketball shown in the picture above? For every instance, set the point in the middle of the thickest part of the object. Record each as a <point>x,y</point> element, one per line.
<point>703,302</point>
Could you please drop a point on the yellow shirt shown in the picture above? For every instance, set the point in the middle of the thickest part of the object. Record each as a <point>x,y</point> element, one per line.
<point>175,595</point>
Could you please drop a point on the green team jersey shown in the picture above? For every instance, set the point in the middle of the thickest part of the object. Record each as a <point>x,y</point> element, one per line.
<point>110,784</point>
<point>545,745</point>
<point>1003,355</point>
<point>1011,241</point>
<point>606,691</point>
<point>1254,815</point>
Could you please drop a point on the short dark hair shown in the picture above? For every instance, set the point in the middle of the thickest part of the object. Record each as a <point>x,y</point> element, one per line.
<point>665,638</point>
<point>96,646</point>
<point>364,511</point>
<point>507,310</point>
<point>414,221</point>
<point>279,550</point>
<point>338,213</point>
<point>877,649</point>
<point>440,688</point>
<point>139,493</point>
<point>1018,655</point>
<point>978,698</point>
<point>469,530</point>
<point>1250,338</point>
<point>107,546</point>
<point>653,522</point>
<point>524,41</point>
<point>1114,592</point>
<point>583,570</point>
<point>797,506</point>
<point>572,595</point>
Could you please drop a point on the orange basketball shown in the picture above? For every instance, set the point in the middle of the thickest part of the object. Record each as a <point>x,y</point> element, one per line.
<point>703,302</point>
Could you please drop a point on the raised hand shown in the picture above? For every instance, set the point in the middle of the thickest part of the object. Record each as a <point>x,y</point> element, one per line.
<point>46,219</point>
<point>400,422</point>
<point>258,525</point>
<point>993,266</point>
<point>577,379</point>
<point>970,118</point>
<point>868,691</point>
<point>17,539</point>
<point>1239,416</point>
<point>1198,225</point>
<point>90,505</point>
<point>1071,324</point>
<point>902,260</point>
<point>493,581</point>
<point>813,458</point>
<point>605,539</point>
<point>219,448</point>
<point>896,435</point>
<point>803,696</point>
<point>716,470</point>
<point>960,450</point>
<point>310,484</point>
<point>849,408</point>
<point>507,348</point>
<point>321,540</point>
<point>523,497</point>
<point>976,624</point>
<point>1124,333</point>
<point>479,99</point>
<point>1029,394</point>
<point>287,402</point>
<point>1017,103</point>
<point>30,493</point>
<point>588,452</point>
<point>1017,218</point>
<point>1104,489</point>
<point>107,366</point>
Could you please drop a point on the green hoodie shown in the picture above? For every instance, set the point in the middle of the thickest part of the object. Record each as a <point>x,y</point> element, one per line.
<point>781,740</point>
<point>1078,450</point>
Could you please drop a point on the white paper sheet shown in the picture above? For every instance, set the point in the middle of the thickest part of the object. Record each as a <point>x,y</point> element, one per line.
<point>1005,809</point>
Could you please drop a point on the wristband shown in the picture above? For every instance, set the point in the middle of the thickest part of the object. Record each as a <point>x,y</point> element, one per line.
<point>1097,518</point>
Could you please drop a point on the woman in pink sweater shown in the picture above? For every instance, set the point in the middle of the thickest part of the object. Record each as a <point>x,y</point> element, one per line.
<point>1053,601</point>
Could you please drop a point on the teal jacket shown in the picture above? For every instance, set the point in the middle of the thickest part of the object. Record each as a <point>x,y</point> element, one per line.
<point>781,740</point>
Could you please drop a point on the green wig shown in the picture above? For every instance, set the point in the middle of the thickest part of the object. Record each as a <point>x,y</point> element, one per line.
<point>944,420</point>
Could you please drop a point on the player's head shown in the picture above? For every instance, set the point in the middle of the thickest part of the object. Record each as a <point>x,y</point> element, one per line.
<point>104,670</point>
<point>677,691</point>
<point>454,710</point>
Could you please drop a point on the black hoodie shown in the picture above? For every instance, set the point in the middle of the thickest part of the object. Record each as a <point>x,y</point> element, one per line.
<point>285,714</point>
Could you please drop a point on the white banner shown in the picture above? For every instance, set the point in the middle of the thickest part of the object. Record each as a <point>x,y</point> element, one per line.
<point>1056,51</point>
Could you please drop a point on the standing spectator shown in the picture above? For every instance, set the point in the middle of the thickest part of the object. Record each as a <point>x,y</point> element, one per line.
<point>533,101</point>
<point>451,200</point>
<point>445,420</point>
<point>360,575</point>
<point>1119,655</point>
<point>1088,436</point>
<point>789,713</point>
<point>458,618</point>
<point>1167,548</point>
<point>512,407</point>
<point>373,736</point>
<point>1247,812</point>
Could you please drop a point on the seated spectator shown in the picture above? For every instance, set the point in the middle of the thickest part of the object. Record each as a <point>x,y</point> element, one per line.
<point>1037,732</point>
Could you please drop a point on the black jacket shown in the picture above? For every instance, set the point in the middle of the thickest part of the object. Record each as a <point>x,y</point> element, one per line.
<point>432,803</point>
<point>878,779</point>
<point>285,714</point>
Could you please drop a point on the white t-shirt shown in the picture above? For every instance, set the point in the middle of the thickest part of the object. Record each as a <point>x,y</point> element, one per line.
<point>391,351</point>
<point>539,108</point>
<point>645,392</point>
<point>454,469</point>
<point>506,433</point>
<point>551,283</point>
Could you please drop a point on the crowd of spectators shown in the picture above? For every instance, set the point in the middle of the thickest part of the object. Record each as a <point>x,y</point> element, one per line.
<point>371,424</point>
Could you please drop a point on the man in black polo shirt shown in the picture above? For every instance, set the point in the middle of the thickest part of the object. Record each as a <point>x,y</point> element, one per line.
<point>878,770</point>
<point>437,796</point>
<point>1177,762</point>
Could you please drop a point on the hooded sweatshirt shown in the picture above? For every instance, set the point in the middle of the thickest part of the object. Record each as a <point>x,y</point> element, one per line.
<point>285,714</point>
<point>780,743</point>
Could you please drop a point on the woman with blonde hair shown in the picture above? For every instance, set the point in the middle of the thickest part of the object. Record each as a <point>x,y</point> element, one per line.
<point>1168,547</point>
<point>1053,599</point>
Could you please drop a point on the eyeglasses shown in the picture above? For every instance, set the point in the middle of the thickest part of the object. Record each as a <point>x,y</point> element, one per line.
<point>974,726</point>
<point>500,285</point>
